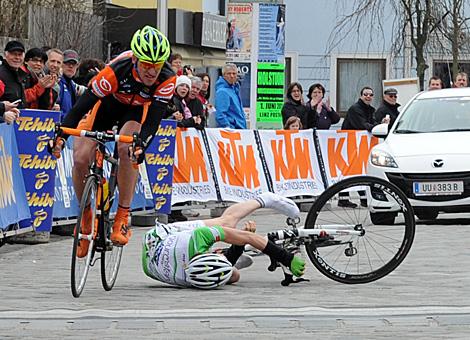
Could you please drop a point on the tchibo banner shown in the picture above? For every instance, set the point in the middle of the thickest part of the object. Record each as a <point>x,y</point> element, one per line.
<point>158,172</point>
<point>13,203</point>
<point>33,129</point>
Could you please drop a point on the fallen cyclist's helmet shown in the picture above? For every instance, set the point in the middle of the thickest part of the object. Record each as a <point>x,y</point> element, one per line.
<point>150,45</point>
<point>207,271</point>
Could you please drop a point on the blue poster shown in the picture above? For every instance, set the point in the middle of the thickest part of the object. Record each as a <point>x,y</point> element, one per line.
<point>244,78</point>
<point>33,129</point>
<point>271,39</point>
<point>13,204</point>
<point>159,157</point>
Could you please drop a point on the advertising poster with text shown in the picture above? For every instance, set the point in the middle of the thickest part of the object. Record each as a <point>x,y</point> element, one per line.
<point>271,39</point>
<point>269,95</point>
<point>239,28</point>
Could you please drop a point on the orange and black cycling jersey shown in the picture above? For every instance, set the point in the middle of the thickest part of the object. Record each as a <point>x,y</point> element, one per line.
<point>120,80</point>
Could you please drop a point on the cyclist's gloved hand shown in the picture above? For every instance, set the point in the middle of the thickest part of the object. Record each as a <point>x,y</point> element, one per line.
<point>297,266</point>
<point>54,147</point>
<point>136,150</point>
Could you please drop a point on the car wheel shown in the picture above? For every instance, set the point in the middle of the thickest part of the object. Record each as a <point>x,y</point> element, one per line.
<point>427,214</point>
<point>383,218</point>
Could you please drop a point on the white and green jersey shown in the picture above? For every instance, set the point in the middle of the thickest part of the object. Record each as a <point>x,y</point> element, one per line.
<point>167,249</point>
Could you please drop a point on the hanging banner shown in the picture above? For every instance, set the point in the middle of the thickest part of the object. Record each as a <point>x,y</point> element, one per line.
<point>193,176</point>
<point>269,95</point>
<point>239,169</point>
<point>345,152</point>
<point>239,28</point>
<point>159,158</point>
<point>13,203</point>
<point>293,162</point>
<point>33,129</point>
<point>271,33</point>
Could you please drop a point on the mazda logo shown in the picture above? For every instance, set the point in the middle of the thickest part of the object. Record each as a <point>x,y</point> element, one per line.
<point>438,163</point>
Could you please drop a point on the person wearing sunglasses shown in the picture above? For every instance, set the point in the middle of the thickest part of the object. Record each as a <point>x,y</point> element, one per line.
<point>388,110</point>
<point>133,92</point>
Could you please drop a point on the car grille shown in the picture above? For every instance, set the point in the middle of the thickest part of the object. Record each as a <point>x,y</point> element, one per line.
<point>405,183</point>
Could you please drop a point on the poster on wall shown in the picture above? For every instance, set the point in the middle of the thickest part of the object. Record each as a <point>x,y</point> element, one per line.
<point>269,95</point>
<point>271,34</point>
<point>244,78</point>
<point>239,27</point>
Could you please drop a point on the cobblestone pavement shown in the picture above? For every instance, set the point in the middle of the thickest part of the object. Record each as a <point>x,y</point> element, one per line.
<point>426,297</point>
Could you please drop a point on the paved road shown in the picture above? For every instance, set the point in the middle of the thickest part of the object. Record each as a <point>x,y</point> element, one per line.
<point>426,297</point>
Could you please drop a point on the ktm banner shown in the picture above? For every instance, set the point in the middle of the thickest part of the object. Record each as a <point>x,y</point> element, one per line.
<point>236,165</point>
<point>345,153</point>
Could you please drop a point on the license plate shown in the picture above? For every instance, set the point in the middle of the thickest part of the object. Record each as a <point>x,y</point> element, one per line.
<point>438,188</point>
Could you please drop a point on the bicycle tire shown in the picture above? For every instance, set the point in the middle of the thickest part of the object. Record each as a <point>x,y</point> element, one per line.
<point>112,254</point>
<point>384,246</point>
<point>81,265</point>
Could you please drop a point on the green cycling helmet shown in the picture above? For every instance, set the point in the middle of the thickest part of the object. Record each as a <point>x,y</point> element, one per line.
<point>151,45</point>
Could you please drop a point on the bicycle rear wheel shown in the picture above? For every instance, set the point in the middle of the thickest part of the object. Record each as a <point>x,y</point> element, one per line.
<point>84,232</point>
<point>375,206</point>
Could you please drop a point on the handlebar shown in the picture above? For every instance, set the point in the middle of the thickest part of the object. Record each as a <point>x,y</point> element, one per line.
<point>106,136</point>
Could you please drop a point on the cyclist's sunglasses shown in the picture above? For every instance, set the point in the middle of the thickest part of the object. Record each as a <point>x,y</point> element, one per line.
<point>147,65</point>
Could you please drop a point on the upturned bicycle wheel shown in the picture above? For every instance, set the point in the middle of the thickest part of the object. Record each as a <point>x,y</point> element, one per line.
<point>378,209</point>
<point>82,256</point>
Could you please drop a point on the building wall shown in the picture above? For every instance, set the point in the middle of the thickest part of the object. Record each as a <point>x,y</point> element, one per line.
<point>188,5</point>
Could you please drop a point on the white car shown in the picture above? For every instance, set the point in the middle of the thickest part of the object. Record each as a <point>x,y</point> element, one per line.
<point>426,154</point>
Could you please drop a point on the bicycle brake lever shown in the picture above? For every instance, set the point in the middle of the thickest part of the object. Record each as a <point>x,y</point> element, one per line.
<point>289,278</point>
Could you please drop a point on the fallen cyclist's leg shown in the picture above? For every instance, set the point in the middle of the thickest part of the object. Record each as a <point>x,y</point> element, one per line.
<point>241,238</point>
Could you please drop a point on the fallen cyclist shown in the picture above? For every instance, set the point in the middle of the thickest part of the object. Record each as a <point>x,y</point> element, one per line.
<point>180,253</point>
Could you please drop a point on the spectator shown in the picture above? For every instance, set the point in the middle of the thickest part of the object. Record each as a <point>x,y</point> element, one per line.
<point>293,123</point>
<point>294,105</point>
<point>182,111</point>
<point>38,85</point>
<point>8,112</point>
<point>360,116</point>
<point>176,61</point>
<point>87,69</point>
<point>461,80</point>
<point>435,83</point>
<point>389,107</point>
<point>69,90</point>
<point>229,109</point>
<point>194,104</point>
<point>12,76</point>
<point>204,95</point>
<point>55,58</point>
<point>320,114</point>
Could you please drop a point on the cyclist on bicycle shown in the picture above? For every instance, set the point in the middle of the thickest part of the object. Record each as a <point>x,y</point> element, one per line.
<point>180,254</point>
<point>131,92</point>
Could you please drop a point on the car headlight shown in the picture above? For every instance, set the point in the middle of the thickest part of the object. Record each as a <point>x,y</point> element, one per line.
<point>381,158</point>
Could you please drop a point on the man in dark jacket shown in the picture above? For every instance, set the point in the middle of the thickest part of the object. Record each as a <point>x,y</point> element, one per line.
<point>11,75</point>
<point>389,107</point>
<point>360,115</point>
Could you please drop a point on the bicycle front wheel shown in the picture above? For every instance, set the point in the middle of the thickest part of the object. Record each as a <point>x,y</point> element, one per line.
<point>110,261</point>
<point>84,237</point>
<point>377,209</point>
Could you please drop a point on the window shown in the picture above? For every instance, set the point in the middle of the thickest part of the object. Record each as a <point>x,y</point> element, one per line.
<point>352,75</point>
